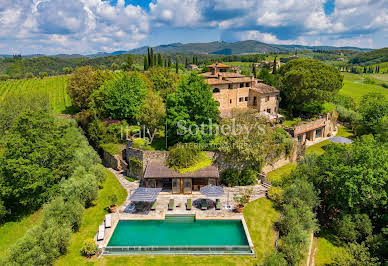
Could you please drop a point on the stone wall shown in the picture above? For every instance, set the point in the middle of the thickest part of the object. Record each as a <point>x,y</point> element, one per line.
<point>143,156</point>
<point>111,161</point>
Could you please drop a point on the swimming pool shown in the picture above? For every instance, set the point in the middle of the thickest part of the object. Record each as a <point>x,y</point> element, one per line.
<point>179,235</point>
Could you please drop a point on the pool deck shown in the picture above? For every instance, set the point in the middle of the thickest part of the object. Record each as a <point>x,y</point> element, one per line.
<point>180,207</point>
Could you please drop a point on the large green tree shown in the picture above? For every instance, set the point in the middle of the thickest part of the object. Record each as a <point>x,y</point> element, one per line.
<point>306,84</point>
<point>164,81</point>
<point>190,107</point>
<point>374,111</point>
<point>121,98</point>
<point>152,112</point>
<point>83,82</point>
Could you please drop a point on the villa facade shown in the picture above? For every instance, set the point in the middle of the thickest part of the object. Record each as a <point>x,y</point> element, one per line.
<point>313,130</point>
<point>235,91</point>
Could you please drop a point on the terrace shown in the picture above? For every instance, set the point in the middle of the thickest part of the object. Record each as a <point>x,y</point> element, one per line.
<point>161,212</point>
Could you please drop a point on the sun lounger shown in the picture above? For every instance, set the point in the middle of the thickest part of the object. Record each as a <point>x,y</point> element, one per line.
<point>218,204</point>
<point>153,207</point>
<point>171,205</point>
<point>203,204</point>
<point>101,233</point>
<point>108,221</point>
<point>188,204</point>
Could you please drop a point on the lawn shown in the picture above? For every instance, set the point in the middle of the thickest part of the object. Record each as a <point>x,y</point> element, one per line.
<point>275,176</point>
<point>113,148</point>
<point>260,216</point>
<point>327,249</point>
<point>92,218</point>
<point>354,86</point>
<point>12,231</point>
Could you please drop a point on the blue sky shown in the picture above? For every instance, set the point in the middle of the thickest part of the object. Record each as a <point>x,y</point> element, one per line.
<point>89,26</point>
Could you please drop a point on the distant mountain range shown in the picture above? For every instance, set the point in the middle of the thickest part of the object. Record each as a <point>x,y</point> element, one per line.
<point>236,48</point>
<point>215,48</point>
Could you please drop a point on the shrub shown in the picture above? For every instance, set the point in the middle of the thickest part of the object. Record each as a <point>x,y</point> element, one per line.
<point>183,155</point>
<point>130,179</point>
<point>141,143</point>
<point>112,199</point>
<point>351,228</point>
<point>276,194</point>
<point>3,211</point>
<point>4,77</point>
<point>293,245</point>
<point>277,259</point>
<point>230,177</point>
<point>69,212</point>
<point>81,186</point>
<point>29,75</point>
<point>247,177</point>
<point>89,248</point>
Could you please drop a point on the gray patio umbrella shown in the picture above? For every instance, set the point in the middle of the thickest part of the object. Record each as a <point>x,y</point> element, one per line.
<point>212,191</point>
<point>341,140</point>
<point>145,194</point>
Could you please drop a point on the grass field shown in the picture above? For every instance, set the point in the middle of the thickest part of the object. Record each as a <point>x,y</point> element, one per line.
<point>10,232</point>
<point>260,216</point>
<point>355,87</point>
<point>55,87</point>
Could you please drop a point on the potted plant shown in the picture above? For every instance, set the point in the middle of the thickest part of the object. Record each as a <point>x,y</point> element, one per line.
<point>242,198</point>
<point>113,201</point>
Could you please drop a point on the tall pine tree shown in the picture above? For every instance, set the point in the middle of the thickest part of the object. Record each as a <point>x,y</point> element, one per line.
<point>176,65</point>
<point>169,62</point>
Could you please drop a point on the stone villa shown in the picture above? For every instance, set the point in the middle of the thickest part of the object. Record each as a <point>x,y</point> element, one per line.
<point>233,90</point>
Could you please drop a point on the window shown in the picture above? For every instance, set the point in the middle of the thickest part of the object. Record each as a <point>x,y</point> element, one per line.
<point>269,110</point>
<point>267,98</point>
<point>216,90</point>
<point>230,86</point>
<point>246,99</point>
<point>230,101</point>
<point>247,84</point>
<point>254,101</point>
<point>241,85</point>
<point>241,99</point>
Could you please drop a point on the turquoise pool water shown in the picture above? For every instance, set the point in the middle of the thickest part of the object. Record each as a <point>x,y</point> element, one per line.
<point>179,231</point>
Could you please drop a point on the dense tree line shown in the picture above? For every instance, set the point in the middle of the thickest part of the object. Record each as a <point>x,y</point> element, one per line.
<point>370,58</point>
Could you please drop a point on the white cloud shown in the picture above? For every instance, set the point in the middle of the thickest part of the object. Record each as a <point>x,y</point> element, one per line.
<point>52,26</point>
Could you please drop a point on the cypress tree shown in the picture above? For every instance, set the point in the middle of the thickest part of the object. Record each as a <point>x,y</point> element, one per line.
<point>145,63</point>
<point>176,65</point>
<point>254,70</point>
<point>274,66</point>
<point>152,58</point>
<point>186,62</point>
<point>149,61</point>
<point>169,62</point>
<point>160,60</point>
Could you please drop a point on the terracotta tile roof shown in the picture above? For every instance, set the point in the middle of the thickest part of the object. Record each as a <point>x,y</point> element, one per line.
<point>218,65</point>
<point>217,81</point>
<point>242,79</point>
<point>158,169</point>
<point>223,74</point>
<point>264,88</point>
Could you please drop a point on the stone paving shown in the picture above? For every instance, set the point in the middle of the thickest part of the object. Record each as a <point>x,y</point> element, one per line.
<point>181,200</point>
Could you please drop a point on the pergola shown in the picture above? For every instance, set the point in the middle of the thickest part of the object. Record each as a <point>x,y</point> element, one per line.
<point>143,194</point>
